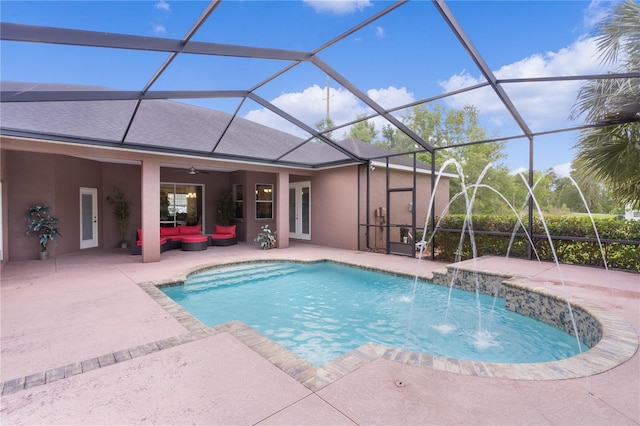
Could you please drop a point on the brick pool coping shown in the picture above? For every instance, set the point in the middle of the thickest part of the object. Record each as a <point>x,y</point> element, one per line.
<point>618,343</point>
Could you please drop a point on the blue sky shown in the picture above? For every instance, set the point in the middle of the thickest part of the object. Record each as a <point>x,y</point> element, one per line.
<point>405,56</point>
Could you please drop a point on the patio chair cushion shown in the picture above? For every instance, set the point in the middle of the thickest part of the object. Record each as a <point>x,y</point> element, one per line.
<point>224,236</point>
<point>162,241</point>
<point>190,230</point>
<point>225,230</point>
<point>169,232</point>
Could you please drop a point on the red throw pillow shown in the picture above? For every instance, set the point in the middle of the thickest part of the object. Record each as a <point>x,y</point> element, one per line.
<point>229,230</point>
<point>139,234</point>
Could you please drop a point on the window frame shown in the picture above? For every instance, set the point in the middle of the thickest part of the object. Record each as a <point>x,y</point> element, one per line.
<point>259,201</point>
<point>238,202</point>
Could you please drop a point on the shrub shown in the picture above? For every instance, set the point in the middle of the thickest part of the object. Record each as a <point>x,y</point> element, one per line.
<point>619,255</point>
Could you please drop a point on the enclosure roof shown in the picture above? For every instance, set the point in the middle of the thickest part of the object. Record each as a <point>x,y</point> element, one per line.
<point>213,92</point>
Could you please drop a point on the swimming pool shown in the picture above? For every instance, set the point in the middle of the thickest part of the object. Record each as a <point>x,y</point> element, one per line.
<point>323,310</point>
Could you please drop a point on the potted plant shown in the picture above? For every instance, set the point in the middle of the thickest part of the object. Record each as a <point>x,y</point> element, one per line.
<point>121,212</point>
<point>164,205</point>
<point>43,226</point>
<point>226,213</point>
<point>266,238</point>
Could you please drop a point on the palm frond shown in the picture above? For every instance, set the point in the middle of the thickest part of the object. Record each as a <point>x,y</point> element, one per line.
<point>619,33</point>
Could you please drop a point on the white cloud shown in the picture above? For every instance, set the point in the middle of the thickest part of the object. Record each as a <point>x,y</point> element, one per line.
<point>519,170</point>
<point>339,7</point>
<point>594,14</point>
<point>380,32</point>
<point>158,28</point>
<point>562,170</point>
<point>542,105</point>
<point>310,106</point>
<point>163,5</point>
<point>391,96</point>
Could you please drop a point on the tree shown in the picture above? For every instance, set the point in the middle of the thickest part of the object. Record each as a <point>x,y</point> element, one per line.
<point>323,126</point>
<point>442,127</point>
<point>596,195</point>
<point>364,131</point>
<point>611,152</point>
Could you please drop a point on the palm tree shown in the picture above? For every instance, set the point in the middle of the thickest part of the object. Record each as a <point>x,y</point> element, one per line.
<point>610,151</point>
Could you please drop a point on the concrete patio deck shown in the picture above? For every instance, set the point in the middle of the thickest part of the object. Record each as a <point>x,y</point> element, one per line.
<point>84,343</point>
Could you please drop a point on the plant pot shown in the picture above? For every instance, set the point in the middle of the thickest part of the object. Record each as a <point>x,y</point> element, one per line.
<point>124,245</point>
<point>43,255</point>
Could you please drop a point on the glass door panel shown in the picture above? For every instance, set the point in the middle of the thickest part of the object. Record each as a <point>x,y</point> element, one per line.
<point>300,210</point>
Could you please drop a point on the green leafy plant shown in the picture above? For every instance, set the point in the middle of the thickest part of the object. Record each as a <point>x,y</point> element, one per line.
<point>41,225</point>
<point>164,205</point>
<point>121,212</point>
<point>266,238</point>
<point>226,213</point>
<point>583,251</point>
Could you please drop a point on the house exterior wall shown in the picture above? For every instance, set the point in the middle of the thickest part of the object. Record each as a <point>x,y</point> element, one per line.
<point>49,179</point>
<point>252,226</point>
<point>240,178</point>
<point>398,214</point>
<point>37,171</point>
<point>334,217</point>
<point>4,211</point>
<point>127,177</point>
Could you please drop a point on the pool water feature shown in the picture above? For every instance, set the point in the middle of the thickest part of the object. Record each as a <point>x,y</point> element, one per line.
<point>323,310</point>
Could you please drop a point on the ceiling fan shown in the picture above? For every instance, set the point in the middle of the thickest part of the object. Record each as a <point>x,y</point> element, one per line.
<point>193,171</point>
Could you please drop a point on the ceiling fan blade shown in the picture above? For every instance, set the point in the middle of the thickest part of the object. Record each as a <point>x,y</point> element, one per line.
<point>193,171</point>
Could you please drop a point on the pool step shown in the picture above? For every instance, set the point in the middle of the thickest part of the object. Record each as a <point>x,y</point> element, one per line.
<point>235,275</point>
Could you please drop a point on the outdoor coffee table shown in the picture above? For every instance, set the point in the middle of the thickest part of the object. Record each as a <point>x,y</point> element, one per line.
<point>195,243</point>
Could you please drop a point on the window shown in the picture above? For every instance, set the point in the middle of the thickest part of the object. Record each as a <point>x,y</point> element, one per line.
<point>181,204</point>
<point>238,200</point>
<point>264,201</point>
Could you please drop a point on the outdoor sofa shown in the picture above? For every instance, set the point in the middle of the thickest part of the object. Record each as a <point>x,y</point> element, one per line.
<point>187,238</point>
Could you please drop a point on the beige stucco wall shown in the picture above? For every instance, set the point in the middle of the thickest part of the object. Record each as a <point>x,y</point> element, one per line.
<point>398,213</point>
<point>334,218</point>
<point>56,180</point>
<point>127,177</point>
<point>35,178</point>
<point>36,171</point>
<point>249,227</point>
<point>4,210</point>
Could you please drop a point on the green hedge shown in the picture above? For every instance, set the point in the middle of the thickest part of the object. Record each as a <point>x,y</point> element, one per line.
<point>618,256</point>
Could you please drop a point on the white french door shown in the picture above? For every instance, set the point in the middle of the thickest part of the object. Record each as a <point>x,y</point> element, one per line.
<point>300,210</point>
<point>88,217</point>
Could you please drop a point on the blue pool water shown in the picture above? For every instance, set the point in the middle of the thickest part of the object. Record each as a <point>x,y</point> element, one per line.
<point>323,310</point>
